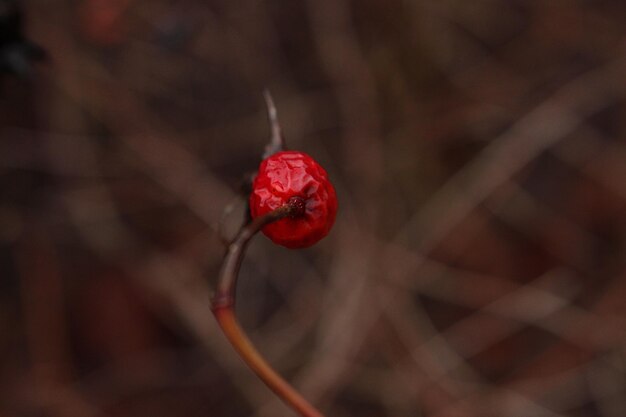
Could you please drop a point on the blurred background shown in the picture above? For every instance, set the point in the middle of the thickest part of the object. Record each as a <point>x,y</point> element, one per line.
<point>477,265</point>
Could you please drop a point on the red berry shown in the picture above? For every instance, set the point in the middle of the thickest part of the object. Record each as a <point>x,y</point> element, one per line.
<point>294,178</point>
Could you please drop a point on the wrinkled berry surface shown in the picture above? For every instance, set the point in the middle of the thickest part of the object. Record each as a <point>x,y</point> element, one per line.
<point>294,174</point>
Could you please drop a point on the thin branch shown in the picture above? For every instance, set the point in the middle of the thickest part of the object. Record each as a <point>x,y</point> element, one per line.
<point>237,337</point>
<point>277,141</point>
<point>225,294</point>
<point>223,305</point>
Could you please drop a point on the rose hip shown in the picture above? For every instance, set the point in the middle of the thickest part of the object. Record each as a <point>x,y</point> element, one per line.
<point>294,178</point>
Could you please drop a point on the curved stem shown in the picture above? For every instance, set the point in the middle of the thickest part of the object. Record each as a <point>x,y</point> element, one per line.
<point>228,322</point>
<point>223,306</point>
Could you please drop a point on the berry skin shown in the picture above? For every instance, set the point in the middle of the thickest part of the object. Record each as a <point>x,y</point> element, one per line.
<point>294,178</point>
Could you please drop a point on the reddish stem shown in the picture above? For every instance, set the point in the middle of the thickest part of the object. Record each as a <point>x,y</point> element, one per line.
<point>228,322</point>
<point>223,305</point>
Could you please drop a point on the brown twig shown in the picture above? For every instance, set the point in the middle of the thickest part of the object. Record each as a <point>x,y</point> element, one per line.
<point>223,306</point>
<point>277,141</point>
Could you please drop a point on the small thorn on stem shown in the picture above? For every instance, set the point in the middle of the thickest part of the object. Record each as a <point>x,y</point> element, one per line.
<point>277,142</point>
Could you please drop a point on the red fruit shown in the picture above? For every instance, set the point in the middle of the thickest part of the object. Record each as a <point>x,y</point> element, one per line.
<point>294,178</point>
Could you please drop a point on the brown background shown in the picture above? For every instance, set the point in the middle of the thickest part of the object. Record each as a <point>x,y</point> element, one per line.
<point>477,265</point>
